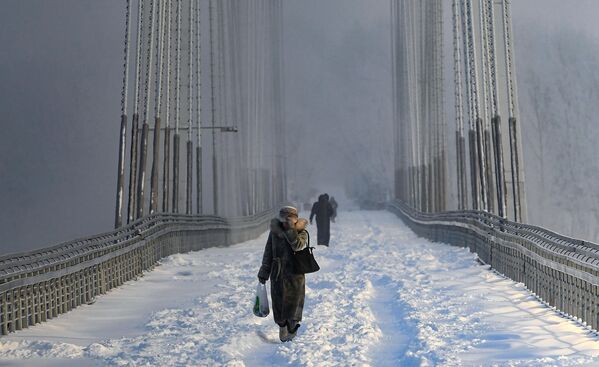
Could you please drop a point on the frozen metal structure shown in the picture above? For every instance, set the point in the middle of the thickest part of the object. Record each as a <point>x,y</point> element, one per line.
<point>190,66</point>
<point>420,147</point>
<point>180,89</point>
<point>489,169</point>
<point>491,205</point>
<point>39,285</point>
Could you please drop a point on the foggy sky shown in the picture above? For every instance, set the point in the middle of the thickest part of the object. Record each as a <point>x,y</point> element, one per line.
<point>60,77</point>
<point>60,82</point>
<point>338,86</point>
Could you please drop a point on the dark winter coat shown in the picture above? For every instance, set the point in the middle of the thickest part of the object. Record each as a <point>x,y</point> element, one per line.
<point>287,288</point>
<point>323,211</point>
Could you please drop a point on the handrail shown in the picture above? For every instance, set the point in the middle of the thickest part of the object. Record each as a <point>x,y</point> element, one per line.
<point>562,271</point>
<point>34,260</point>
<point>40,284</point>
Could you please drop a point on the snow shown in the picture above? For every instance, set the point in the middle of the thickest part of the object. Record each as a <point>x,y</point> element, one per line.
<point>384,297</point>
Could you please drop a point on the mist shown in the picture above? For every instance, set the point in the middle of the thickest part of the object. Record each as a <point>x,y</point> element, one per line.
<point>60,82</point>
<point>557,53</point>
<point>338,95</point>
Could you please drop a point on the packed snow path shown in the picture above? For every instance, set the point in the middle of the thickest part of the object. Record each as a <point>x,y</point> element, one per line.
<point>384,297</point>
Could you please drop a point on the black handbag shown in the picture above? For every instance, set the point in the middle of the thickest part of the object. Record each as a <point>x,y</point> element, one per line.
<point>304,260</point>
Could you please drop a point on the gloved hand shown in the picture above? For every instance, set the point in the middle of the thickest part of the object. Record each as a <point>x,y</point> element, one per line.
<point>301,223</point>
<point>291,221</point>
<point>261,280</point>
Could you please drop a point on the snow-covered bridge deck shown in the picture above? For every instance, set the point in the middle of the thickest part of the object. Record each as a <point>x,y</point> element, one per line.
<point>384,297</point>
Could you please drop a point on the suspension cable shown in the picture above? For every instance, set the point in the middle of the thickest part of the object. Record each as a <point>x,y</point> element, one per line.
<point>178,69</point>
<point>509,59</point>
<point>191,71</point>
<point>492,56</point>
<point>139,41</point>
<point>198,75</point>
<point>484,40</point>
<point>199,195</point>
<point>213,109</point>
<point>145,128</point>
<point>131,211</point>
<point>123,130</point>
<point>160,59</point>
<point>466,52</point>
<point>149,61</point>
<point>472,59</point>
<point>459,108</point>
<point>166,168</point>
<point>168,37</point>
<point>125,91</point>
<point>157,107</point>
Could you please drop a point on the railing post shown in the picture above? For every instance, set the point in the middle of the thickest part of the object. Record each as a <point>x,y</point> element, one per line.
<point>30,319</point>
<point>44,303</point>
<point>4,306</point>
<point>595,307</point>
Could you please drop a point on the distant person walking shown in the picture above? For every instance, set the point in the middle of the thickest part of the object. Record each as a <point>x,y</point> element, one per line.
<point>334,205</point>
<point>287,235</point>
<point>323,211</point>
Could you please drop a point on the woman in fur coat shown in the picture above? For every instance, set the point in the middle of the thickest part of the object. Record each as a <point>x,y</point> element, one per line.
<point>287,235</point>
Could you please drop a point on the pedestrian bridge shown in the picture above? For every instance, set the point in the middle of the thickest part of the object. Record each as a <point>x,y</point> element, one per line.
<point>384,297</point>
<point>392,290</point>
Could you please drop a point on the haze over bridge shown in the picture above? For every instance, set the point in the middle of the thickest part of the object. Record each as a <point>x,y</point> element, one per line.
<point>202,68</point>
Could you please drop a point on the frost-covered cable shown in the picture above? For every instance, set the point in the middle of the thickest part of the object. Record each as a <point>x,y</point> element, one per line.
<point>125,91</point>
<point>138,54</point>
<point>131,212</point>
<point>198,75</point>
<point>199,197</point>
<point>149,61</point>
<point>492,55</point>
<point>160,58</point>
<point>157,108</point>
<point>486,87</point>
<point>466,53</point>
<point>178,69</point>
<point>166,168</point>
<point>213,112</point>
<point>472,59</point>
<point>191,71</point>
<point>168,37</point>
<point>123,129</point>
<point>459,102</point>
<point>145,128</point>
<point>507,30</point>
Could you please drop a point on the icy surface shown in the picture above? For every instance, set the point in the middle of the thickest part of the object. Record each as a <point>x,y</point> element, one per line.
<point>384,297</point>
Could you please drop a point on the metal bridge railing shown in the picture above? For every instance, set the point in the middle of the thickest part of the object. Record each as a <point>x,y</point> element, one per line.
<point>38,285</point>
<point>561,271</point>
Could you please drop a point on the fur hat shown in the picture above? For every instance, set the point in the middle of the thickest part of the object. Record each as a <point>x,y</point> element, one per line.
<point>286,212</point>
